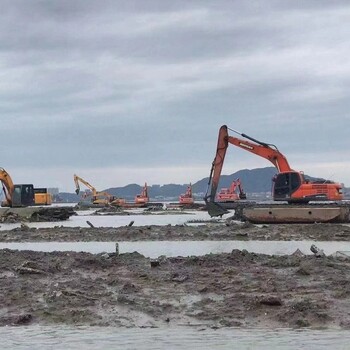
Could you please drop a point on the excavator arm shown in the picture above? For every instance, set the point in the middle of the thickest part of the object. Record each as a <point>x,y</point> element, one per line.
<point>78,179</point>
<point>8,184</point>
<point>217,165</point>
<point>242,194</point>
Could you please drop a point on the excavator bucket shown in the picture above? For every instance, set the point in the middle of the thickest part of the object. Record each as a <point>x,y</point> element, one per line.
<point>242,196</point>
<point>214,209</point>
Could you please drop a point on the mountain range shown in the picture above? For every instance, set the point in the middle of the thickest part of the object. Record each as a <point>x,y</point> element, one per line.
<point>255,182</point>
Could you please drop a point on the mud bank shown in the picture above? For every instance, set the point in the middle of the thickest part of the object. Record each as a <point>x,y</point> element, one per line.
<point>237,289</point>
<point>228,231</point>
<point>35,214</point>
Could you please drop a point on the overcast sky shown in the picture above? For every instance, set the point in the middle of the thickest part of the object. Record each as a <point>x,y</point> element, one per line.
<point>123,92</point>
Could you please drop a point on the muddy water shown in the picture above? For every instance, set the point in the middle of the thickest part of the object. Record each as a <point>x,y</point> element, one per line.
<point>154,249</point>
<point>40,338</point>
<point>118,220</point>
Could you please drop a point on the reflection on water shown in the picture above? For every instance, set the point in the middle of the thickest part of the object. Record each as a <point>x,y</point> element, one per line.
<point>36,337</point>
<point>154,249</point>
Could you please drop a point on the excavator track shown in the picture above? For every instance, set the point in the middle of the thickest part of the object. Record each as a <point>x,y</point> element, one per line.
<point>259,213</point>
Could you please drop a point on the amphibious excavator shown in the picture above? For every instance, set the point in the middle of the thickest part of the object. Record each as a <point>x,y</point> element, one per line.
<point>232,194</point>
<point>22,195</point>
<point>288,185</point>
<point>143,197</point>
<point>186,198</point>
<point>98,197</point>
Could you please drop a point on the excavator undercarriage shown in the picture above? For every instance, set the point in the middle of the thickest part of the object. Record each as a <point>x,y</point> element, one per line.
<point>280,213</point>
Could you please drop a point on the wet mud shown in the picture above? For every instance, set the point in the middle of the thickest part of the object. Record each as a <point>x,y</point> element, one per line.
<point>210,231</point>
<point>35,214</point>
<point>237,289</point>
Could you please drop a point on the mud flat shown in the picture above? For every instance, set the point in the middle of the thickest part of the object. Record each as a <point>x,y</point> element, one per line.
<point>237,289</point>
<point>208,231</point>
<point>35,214</point>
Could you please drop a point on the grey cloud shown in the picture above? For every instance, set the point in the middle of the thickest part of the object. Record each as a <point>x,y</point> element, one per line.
<point>145,83</point>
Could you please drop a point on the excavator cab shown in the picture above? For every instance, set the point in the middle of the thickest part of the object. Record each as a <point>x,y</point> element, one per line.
<point>23,196</point>
<point>285,184</point>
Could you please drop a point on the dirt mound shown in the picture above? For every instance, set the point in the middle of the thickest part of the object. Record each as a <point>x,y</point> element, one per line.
<point>35,214</point>
<point>216,290</point>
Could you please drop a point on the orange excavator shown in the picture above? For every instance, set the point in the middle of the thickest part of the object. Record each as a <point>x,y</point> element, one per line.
<point>230,194</point>
<point>143,197</point>
<point>187,198</point>
<point>98,197</point>
<point>23,195</point>
<point>288,185</point>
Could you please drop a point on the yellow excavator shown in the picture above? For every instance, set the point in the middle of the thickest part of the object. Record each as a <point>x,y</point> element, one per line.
<point>22,195</point>
<point>98,197</point>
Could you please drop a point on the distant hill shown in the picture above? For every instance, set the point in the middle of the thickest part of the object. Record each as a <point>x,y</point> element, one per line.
<point>253,180</point>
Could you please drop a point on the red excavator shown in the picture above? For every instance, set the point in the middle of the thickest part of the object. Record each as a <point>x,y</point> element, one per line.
<point>187,198</point>
<point>230,194</point>
<point>143,197</point>
<point>288,185</point>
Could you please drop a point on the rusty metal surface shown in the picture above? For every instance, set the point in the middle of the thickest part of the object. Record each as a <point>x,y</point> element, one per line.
<point>296,215</point>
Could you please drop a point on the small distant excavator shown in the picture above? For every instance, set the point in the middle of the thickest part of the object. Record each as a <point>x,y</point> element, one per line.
<point>98,197</point>
<point>186,198</point>
<point>288,185</point>
<point>230,194</point>
<point>143,197</point>
<point>22,195</point>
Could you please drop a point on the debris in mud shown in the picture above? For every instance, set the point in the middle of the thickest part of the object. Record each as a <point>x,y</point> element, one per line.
<point>298,253</point>
<point>90,224</point>
<point>10,218</point>
<point>319,253</point>
<point>29,267</point>
<point>179,278</point>
<point>110,210</point>
<point>22,320</point>
<point>271,300</point>
<point>342,254</point>
<point>154,262</point>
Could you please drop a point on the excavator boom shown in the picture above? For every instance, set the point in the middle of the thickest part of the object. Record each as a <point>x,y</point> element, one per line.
<point>8,185</point>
